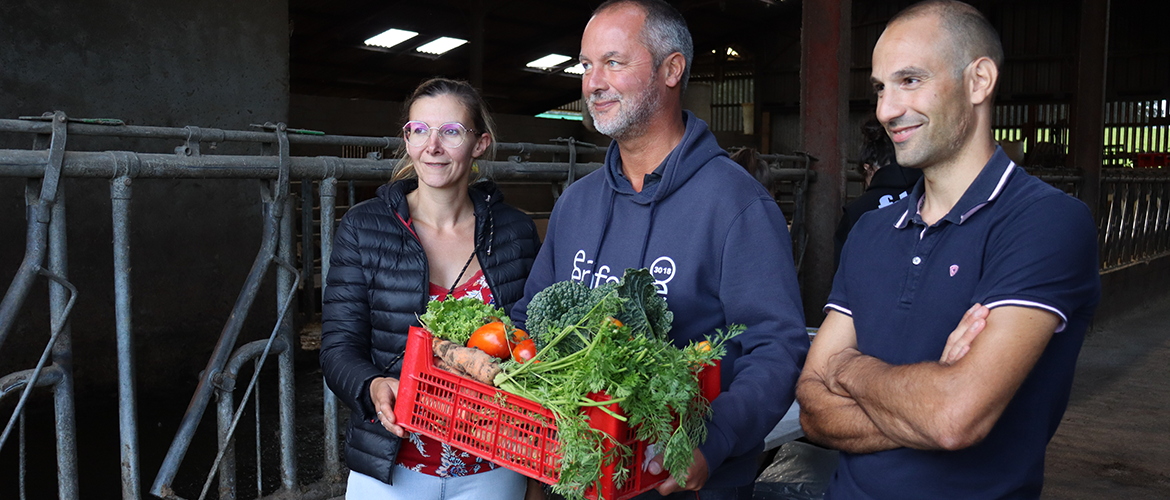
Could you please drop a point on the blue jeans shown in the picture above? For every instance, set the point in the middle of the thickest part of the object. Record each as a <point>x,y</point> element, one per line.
<point>740,493</point>
<point>497,484</point>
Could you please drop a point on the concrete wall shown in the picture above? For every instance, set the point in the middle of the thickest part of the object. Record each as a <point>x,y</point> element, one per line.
<point>209,63</point>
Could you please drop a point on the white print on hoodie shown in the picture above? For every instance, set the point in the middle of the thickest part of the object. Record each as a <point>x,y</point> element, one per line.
<point>662,270</point>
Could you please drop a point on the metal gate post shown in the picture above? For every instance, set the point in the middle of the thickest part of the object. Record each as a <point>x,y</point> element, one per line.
<point>221,353</point>
<point>63,407</point>
<point>309,306</point>
<point>120,194</point>
<point>38,222</point>
<point>284,291</point>
<point>825,46</point>
<point>328,215</point>
<point>224,411</point>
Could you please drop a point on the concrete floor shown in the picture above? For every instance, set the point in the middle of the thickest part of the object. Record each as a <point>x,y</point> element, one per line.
<point>1114,442</point>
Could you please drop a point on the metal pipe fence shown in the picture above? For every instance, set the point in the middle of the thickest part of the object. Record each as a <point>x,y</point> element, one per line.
<point>1134,227</point>
<point>44,166</point>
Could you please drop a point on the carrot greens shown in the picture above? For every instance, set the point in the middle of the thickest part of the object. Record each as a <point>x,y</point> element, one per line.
<point>612,340</point>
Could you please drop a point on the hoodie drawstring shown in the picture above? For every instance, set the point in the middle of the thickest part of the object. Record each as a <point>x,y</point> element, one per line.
<point>604,229</point>
<point>646,240</point>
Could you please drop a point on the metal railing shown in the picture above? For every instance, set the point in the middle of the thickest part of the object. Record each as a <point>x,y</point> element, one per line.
<point>1134,225</point>
<point>1134,228</point>
<point>794,175</point>
<point>44,166</point>
<point>46,238</point>
<point>1133,217</point>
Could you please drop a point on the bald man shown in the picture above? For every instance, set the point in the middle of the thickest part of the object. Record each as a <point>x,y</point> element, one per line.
<point>921,408</point>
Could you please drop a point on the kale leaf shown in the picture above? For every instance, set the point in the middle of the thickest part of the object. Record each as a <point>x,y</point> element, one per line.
<point>644,311</point>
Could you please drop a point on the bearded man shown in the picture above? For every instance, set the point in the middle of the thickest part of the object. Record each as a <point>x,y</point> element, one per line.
<point>670,199</point>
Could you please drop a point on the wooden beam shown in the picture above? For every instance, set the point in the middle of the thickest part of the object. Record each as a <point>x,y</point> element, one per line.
<point>824,121</point>
<point>1087,137</point>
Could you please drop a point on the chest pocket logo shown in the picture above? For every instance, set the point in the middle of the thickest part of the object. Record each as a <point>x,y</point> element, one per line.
<point>662,270</point>
<point>954,270</point>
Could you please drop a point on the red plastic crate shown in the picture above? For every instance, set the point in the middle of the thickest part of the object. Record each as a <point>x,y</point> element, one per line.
<point>506,429</point>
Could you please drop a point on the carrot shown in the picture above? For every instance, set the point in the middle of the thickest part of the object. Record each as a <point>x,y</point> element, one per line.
<point>443,365</point>
<point>466,361</point>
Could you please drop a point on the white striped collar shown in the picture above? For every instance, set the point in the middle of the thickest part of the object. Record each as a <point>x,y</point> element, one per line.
<point>986,187</point>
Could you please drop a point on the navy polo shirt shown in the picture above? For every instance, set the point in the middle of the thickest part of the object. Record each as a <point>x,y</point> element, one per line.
<point>1010,240</point>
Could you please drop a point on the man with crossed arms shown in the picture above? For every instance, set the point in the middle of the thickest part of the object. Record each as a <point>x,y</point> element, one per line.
<point>919,408</point>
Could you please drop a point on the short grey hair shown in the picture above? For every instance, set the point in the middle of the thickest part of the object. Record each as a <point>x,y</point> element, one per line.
<point>663,33</point>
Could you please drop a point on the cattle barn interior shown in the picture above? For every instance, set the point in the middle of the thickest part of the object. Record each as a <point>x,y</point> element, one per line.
<point>1082,103</point>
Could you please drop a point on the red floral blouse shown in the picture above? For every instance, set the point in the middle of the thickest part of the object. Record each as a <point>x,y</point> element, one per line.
<point>422,454</point>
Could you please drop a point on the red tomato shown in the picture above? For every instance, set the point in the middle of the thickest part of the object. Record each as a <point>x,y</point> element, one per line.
<point>519,335</point>
<point>524,351</point>
<point>490,338</point>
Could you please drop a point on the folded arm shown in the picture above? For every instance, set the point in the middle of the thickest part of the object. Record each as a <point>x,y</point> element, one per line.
<point>829,414</point>
<point>934,405</point>
<point>829,419</point>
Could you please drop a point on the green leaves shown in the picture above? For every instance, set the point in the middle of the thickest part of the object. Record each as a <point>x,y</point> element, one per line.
<point>582,350</point>
<point>634,301</point>
<point>553,309</point>
<point>456,319</point>
<point>644,311</point>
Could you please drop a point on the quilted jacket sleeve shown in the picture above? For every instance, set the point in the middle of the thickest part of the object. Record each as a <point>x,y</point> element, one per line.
<point>345,325</point>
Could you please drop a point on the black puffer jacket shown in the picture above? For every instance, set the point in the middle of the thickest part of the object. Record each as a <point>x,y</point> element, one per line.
<point>378,281</point>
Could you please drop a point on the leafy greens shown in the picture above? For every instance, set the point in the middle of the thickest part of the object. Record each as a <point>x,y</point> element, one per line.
<point>455,319</point>
<point>613,340</point>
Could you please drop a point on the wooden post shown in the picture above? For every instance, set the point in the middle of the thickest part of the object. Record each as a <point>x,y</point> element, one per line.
<point>1088,108</point>
<point>824,120</point>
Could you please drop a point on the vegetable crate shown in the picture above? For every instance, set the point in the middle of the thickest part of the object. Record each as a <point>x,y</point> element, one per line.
<point>506,429</point>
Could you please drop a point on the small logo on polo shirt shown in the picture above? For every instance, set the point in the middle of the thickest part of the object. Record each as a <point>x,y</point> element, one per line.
<point>954,269</point>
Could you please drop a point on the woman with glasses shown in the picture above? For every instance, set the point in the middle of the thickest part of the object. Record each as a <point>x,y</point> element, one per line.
<point>431,233</point>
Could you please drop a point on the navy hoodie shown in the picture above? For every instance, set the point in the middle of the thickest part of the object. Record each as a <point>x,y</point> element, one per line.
<point>718,247</point>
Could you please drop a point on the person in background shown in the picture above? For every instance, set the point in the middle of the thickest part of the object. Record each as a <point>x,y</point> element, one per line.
<point>431,233</point>
<point>918,407</point>
<point>669,199</point>
<point>750,160</point>
<point>885,181</point>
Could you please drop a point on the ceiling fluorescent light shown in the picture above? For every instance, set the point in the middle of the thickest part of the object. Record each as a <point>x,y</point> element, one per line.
<point>577,69</point>
<point>561,115</point>
<point>390,38</point>
<point>548,62</point>
<point>440,46</point>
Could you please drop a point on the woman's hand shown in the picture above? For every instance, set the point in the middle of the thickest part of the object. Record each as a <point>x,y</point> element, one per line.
<point>383,390</point>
